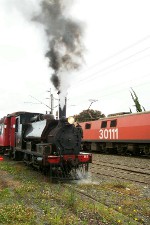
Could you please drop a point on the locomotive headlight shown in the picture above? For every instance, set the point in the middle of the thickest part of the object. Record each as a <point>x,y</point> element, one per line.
<point>71,119</point>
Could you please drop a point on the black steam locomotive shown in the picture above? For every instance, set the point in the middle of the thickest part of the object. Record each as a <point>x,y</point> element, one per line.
<point>53,146</point>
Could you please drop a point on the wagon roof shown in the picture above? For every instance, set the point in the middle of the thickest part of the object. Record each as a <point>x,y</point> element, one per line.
<point>118,115</point>
<point>20,113</point>
<point>123,114</point>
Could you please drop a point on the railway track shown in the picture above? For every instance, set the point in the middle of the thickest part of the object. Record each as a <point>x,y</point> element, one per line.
<point>97,201</point>
<point>121,168</point>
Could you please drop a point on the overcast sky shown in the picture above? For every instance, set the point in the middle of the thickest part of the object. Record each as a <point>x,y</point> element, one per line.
<point>116,57</point>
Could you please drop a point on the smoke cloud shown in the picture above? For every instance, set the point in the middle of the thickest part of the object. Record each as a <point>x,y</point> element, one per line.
<point>60,33</point>
<point>64,37</point>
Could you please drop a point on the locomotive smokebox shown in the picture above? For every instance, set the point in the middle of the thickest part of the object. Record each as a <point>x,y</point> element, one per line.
<point>62,111</point>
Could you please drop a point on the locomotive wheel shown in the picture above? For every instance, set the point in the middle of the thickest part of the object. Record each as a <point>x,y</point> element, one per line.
<point>136,152</point>
<point>107,150</point>
<point>18,156</point>
<point>146,151</point>
<point>10,155</point>
<point>86,147</point>
<point>122,151</point>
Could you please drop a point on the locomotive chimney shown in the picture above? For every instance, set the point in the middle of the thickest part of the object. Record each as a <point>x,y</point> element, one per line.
<point>62,111</point>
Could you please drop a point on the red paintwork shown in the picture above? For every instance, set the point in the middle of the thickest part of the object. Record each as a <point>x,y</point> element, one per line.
<point>68,157</point>
<point>1,158</point>
<point>53,159</point>
<point>83,157</point>
<point>7,137</point>
<point>133,127</point>
<point>4,136</point>
<point>12,131</point>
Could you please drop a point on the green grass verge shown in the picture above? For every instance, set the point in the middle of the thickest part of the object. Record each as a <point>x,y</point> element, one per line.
<point>27,197</point>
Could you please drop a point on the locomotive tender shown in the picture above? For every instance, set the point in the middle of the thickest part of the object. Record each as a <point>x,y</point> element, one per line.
<point>50,145</point>
<point>121,134</point>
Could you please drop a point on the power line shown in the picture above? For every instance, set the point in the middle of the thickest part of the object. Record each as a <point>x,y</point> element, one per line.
<point>122,89</point>
<point>112,65</point>
<point>40,101</point>
<point>120,67</point>
<point>117,53</point>
<point>119,84</point>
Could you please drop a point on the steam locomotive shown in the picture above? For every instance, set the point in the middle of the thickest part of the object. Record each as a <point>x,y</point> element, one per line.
<point>51,145</point>
<point>120,133</point>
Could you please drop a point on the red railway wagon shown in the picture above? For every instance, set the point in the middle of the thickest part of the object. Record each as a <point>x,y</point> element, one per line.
<point>127,133</point>
<point>7,132</point>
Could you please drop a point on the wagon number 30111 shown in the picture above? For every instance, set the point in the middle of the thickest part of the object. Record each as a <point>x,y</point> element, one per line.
<point>108,133</point>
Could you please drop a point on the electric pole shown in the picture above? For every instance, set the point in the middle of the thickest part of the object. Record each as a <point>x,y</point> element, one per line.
<point>92,101</point>
<point>51,103</point>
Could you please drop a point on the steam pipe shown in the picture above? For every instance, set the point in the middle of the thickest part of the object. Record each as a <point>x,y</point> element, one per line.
<point>62,112</point>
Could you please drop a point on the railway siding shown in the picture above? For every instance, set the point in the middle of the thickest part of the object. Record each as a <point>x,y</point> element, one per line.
<point>121,167</point>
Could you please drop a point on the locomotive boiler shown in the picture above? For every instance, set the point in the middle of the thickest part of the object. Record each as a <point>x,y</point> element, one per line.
<point>53,146</point>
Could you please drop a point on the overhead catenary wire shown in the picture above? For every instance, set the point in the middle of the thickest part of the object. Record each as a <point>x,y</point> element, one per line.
<point>112,67</point>
<point>124,89</point>
<point>141,54</point>
<point>119,84</point>
<point>92,76</point>
<point>40,102</point>
<point>116,91</point>
<point>116,54</point>
<point>107,70</point>
<point>123,83</point>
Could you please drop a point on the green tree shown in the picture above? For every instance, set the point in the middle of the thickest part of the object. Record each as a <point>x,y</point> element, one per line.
<point>136,101</point>
<point>88,115</point>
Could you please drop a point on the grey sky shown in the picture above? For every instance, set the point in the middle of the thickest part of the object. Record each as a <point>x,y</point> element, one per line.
<point>117,56</point>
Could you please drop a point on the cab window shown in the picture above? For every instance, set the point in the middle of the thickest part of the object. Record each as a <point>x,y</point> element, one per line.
<point>113,123</point>
<point>104,124</point>
<point>1,129</point>
<point>87,126</point>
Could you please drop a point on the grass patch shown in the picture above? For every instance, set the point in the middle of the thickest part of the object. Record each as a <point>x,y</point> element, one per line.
<point>16,214</point>
<point>28,197</point>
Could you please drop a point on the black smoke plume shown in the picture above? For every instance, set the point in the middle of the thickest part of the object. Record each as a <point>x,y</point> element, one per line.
<point>64,38</point>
